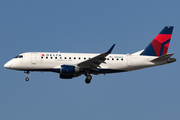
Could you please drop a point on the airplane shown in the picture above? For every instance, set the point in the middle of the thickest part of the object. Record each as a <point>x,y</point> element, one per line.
<point>70,65</point>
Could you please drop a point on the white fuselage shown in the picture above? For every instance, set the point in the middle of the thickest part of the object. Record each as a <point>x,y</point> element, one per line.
<point>45,61</point>
<point>70,65</point>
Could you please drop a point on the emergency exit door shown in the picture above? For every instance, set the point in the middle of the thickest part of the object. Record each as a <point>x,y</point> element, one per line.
<point>129,60</point>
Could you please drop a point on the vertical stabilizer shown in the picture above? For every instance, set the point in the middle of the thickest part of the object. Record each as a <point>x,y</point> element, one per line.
<point>160,44</point>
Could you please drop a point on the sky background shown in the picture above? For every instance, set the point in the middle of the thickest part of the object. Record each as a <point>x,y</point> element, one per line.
<point>88,26</point>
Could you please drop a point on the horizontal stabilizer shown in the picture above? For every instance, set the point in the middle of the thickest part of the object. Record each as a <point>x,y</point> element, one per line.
<point>162,58</point>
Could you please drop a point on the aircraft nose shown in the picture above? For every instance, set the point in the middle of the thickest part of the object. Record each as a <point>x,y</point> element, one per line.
<point>7,65</point>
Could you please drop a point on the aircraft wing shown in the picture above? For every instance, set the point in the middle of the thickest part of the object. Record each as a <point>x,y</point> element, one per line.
<point>94,62</point>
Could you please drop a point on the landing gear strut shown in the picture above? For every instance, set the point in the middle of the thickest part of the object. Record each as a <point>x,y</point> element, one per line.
<point>88,79</point>
<point>27,73</point>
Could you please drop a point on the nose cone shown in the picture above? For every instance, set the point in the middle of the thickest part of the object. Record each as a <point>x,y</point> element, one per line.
<point>7,65</point>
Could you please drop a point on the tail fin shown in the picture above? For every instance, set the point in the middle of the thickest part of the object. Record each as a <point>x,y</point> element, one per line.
<point>159,46</point>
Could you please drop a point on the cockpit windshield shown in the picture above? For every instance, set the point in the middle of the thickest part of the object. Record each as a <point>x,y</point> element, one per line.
<point>19,56</point>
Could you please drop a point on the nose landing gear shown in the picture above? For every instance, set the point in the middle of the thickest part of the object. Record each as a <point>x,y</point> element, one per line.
<point>27,73</point>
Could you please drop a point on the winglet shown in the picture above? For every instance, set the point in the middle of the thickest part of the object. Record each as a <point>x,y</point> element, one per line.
<point>110,50</point>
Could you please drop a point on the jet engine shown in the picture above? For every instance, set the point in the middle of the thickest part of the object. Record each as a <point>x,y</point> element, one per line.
<point>68,71</point>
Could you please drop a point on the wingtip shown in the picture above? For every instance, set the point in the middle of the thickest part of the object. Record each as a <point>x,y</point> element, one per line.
<point>110,50</point>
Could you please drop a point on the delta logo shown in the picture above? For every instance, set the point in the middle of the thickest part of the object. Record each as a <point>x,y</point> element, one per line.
<point>52,55</point>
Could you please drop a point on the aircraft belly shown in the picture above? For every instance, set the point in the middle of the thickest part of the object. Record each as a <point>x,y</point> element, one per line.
<point>113,67</point>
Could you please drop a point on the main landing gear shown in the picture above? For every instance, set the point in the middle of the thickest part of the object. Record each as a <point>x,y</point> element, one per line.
<point>27,73</point>
<point>88,79</point>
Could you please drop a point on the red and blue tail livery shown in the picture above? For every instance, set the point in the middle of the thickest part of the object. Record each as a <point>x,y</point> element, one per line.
<point>159,46</point>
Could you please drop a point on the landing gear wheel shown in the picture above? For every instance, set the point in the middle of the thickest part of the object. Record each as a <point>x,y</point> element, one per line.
<point>88,79</point>
<point>27,73</point>
<point>27,79</point>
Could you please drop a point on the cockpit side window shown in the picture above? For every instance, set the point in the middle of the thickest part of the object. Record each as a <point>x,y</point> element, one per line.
<point>16,56</point>
<point>19,56</point>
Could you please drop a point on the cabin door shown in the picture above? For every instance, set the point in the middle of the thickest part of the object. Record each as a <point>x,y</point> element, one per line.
<point>129,60</point>
<point>33,58</point>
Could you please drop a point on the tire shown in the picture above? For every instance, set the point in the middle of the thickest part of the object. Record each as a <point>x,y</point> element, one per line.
<point>89,77</point>
<point>87,81</point>
<point>27,79</point>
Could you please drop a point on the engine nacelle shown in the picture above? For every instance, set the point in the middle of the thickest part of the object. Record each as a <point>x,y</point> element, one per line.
<point>66,76</point>
<point>68,71</point>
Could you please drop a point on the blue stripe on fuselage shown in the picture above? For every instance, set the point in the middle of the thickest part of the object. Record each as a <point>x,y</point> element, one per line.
<point>100,70</point>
